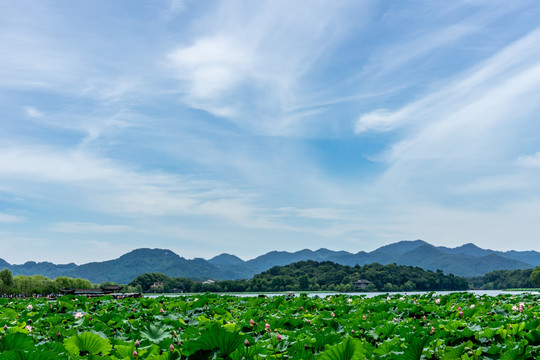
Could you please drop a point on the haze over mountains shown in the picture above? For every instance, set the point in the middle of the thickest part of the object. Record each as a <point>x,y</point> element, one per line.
<point>467,260</point>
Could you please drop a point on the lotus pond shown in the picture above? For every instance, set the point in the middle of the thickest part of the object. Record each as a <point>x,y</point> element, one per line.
<point>429,326</point>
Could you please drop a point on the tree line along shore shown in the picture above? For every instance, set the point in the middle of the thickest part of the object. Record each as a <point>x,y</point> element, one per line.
<point>300,276</point>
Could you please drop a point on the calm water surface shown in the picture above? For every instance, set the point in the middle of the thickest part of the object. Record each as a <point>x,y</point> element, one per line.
<point>366,295</point>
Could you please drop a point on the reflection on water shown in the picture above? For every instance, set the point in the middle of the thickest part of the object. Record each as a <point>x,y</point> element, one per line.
<point>363,294</point>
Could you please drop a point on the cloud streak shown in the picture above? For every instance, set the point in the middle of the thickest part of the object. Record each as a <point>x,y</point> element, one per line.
<point>85,227</point>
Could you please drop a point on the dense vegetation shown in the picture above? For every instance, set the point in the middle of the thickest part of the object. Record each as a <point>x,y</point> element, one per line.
<point>508,279</point>
<point>311,275</point>
<point>314,276</point>
<point>38,284</point>
<point>456,326</point>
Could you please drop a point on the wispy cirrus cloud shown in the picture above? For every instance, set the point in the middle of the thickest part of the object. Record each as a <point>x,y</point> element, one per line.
<point>246,60</point>
<point>495,73</point>
<point>86,227</point>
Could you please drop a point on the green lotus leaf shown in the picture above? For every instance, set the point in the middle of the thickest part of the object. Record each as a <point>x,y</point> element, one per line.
<point>124,351</point>
<point>453,353</point>
<point>87,343</point>
<point>154,333</point>
<point>217,338</point>
<point>16,341</point>
<point>415,349</point>
<point>387,347</point>
<point>29,355</point>
<point>349,349</point>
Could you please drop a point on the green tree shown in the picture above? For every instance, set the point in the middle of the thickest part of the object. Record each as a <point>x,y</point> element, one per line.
<point>535,276</point>
<point>7,277</point>
<point>304,282</point>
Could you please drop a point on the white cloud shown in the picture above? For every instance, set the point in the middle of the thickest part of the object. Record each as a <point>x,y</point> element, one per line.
<point>315,213</point>
<point>108,187</point>
<point>510,67</point>
<point>246,61</point>
<point>212,66</point>
<point>531,161</point>
<point>33,112</point>
<point>85,227</point>
<point>7,218</point>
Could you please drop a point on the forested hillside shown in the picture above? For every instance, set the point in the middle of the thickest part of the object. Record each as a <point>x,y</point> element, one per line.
<point>314,276</point>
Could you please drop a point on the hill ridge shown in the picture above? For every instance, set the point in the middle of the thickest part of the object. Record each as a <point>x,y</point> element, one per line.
<point>467,260</point>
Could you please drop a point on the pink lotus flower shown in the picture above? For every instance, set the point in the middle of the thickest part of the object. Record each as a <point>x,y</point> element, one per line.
<point>78,315</point>
<point>424,317</point>
<point>137,343</point>
<point>394,319</point>
<point>246,342</point>
<point>432,329</point>
<point>460,313</point>
<point>134,353</point>
<point>30,307</point>
<point>363,317</point>
<point>278,337</point>
<point>28,327</point>
<point>267,326</point>
<point>5,327</point>
<point>437,301</point>
<point>472,306</point>
<point>171,347</point>
<point>251,322</point>
<point>161,310</point>
<point>332,313</point>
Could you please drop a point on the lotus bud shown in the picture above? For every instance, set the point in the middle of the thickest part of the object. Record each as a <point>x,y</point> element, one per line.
<point>58,334</point>
<point>278,337</point>
<point>137,343</point>
<point>171,347</point>
<point>267,326</point>
<point>332,313</point>
<point>134,353</point>
<point>5,327</point>
<point>252,322</point>
<point>246,342</point>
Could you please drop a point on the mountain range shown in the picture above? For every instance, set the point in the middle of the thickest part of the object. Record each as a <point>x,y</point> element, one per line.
<point>467,260</point>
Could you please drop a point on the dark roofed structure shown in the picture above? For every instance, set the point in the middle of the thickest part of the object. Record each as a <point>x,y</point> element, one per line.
<point>112,290</point>
<point>362,284</point>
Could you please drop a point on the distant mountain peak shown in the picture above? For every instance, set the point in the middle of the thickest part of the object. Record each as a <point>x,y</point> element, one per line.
<point>465,260</point>
<point>401,247</point>
<point>226,259</point>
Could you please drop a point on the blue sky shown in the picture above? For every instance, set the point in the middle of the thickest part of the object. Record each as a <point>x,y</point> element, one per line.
<point>249,126</point>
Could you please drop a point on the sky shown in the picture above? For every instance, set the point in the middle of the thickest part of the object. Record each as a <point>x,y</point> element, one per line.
<point>242,127</point>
